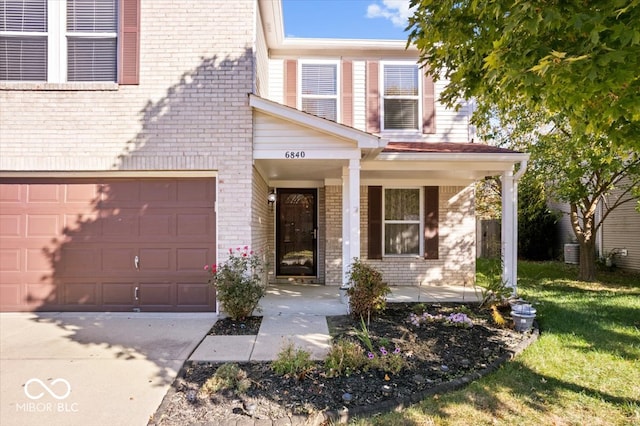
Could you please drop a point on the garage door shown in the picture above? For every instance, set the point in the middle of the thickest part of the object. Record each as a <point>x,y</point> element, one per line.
<point>106,245</point>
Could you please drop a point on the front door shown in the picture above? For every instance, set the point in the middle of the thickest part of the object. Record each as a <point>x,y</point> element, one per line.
<point>296,232</point>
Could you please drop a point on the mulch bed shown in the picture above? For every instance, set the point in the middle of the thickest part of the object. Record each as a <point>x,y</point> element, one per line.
<point>230,327</point>
<point>436,354</point>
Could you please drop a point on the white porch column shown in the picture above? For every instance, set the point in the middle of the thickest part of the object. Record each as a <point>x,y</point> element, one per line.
<point>350,216</point>
<point>509,230</point>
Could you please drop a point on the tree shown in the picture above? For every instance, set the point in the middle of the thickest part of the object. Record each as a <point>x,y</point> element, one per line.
<point>577,169</point>
<point>579,58</point>
<point>559,78</point>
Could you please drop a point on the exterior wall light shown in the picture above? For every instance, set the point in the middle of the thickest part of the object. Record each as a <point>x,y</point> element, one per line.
<point>271,198</point>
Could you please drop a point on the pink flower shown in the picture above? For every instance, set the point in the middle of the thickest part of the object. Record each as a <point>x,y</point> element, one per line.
<point>230,251</point>
<point>251,252</point>
<point>206,267</point>
<point>246,247</point>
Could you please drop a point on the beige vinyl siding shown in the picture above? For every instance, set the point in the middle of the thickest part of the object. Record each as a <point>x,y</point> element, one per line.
<point>451,125</point>
<point>271,133</point>
<point>621,230</point>
<point>276,80</point>
<point>262,62</point>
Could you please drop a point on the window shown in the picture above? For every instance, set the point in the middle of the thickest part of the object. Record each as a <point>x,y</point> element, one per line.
<point>61,41</point>
<point>319,89</point>
<point>23,40</point>
<point>402,221</point>
<point>401,97</point>
<point>393,226</point>
<point>92,49</point>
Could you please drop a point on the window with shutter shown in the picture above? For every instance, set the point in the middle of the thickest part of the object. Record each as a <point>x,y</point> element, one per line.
<point>401,109</point>
<point>402,221</point>
<point>319,89</point>
<point>61,41</point>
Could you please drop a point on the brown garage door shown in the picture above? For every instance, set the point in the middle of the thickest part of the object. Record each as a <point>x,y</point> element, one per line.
<point>106,245</point>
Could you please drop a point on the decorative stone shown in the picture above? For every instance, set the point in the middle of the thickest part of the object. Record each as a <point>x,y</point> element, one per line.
<point>444,368</point>
<point>386,390</point>
<point>465,362</point>
<point>347,398</point>
<point>250,408</point>
<point>418,379</point>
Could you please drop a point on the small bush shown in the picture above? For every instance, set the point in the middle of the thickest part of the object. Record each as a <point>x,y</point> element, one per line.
<point>238,282</point>
<point>367,292</point>
<point>292,362</point>
<point>227,376</point>
<point>343,358</point>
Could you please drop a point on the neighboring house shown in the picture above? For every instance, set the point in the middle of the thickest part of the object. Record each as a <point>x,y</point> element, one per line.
<point>618,237</point>
<point>140,145</point>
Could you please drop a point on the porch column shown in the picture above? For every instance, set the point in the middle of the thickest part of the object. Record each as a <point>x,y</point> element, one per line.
<point>350,216</point>
<point>510,230</point>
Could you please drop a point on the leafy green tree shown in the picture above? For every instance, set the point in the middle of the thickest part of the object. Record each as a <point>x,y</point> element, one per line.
<point>558,79</point>
<point>579,58</point>
<point>577,169</point>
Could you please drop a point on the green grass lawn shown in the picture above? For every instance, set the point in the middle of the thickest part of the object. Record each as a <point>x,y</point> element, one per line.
<point>583,370</point>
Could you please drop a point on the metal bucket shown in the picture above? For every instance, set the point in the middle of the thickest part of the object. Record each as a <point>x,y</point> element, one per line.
<point>523,321</point>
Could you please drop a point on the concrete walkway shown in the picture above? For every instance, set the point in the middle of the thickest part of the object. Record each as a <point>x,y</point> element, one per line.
<point>295,313</point>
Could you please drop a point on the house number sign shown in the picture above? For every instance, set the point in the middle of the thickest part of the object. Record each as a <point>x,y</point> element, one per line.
<point>294,154</point>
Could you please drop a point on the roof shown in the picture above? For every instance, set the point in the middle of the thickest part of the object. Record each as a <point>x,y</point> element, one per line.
<point>445,147</point>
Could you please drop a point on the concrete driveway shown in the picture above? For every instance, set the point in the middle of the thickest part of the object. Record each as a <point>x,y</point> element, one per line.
<point>91,369</point>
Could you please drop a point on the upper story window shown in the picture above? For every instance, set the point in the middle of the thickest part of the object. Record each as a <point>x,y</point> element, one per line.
<point>319,88</point>
<point>402,221</point>
<point>401,97</point>
<point>59,41</point>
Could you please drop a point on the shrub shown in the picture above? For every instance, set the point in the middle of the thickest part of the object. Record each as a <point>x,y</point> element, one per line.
<point>292,362</point>
<point>238,282</point>
<point>343,358</point>
<point>227,376</point>
<point>367,292</point>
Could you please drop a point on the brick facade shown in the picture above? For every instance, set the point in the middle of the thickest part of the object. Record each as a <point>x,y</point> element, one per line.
<point>189,112</point>
<point>456,263</point>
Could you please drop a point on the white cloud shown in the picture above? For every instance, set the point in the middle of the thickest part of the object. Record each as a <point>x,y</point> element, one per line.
<point>397,11</point>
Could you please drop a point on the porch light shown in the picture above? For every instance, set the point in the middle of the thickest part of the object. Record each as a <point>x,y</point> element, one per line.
<point>271,198</point>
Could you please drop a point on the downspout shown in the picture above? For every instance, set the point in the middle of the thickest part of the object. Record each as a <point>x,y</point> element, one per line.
<point>523,168</point>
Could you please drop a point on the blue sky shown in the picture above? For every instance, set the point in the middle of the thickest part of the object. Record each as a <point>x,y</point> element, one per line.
<point>359,19</point>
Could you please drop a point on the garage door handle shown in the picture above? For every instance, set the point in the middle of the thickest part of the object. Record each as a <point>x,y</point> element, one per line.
<point>136,293</point>
<point>136,262</point>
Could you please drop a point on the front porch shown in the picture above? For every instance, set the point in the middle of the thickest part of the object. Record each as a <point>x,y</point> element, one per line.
<point>350,178</point>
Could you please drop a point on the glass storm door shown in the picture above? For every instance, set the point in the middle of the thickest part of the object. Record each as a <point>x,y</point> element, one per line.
<point>296,232</point>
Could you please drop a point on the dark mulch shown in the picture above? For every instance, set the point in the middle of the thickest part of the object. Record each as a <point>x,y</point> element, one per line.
<point>231,327</point>
<point>435,353</point>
